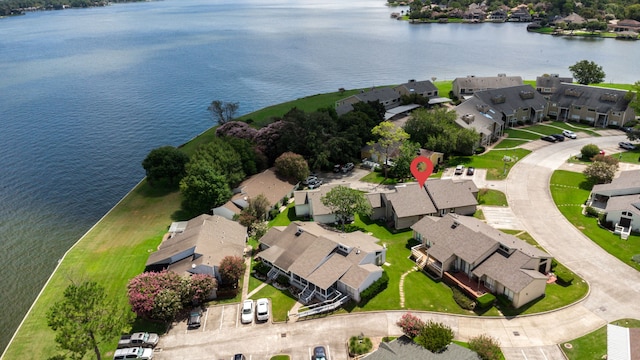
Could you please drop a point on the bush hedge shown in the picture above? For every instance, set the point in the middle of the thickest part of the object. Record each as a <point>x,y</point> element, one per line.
<point>462,299</point>
<point>261,268</point>
<point>485,300</point>
<point>359,346</point>
<point>564,277</point>
<point>375,288</point>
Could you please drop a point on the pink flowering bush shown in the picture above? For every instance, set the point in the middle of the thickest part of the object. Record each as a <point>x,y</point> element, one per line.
<point>231,269</point>
<point>238,129</point>
<point>410,324</point>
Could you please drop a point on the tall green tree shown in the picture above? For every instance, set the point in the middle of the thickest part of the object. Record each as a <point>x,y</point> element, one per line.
<point>165,163</point>
<point>401,168</point>
<point>345,202</point>
<point>292,166</point>
<point>587,72</point>
<point>85,318</point>
<point>204,188</point>
<point>222,112</point>
<point>437,130</point>
<point>222,157</point>
<point>389,137</point>
<point>434,336</point>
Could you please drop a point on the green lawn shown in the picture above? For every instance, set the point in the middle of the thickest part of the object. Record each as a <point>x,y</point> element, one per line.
<point>285,217</point>
<point>519,134</point>
<point>629,156</point>
<point>492,198</point>
<point>493,161</point>
<point>569,190</point>
<point>507,143</point>
<point>281,301</point>
<point>593,346</point>
<point>377,177</point>
<point>576,127</point>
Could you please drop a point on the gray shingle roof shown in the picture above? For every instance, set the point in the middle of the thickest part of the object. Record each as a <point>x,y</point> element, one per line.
<point>489,82</point>
<point>507,269</point>
<point>449,194</point>
<point>419,87</point>
<point>410,200</point>
<point>621,203</point>
<point>602,100</point>
<point>627,180</point>
<point>473,115</point>
<point>509,99</point>
<point>404,348</point>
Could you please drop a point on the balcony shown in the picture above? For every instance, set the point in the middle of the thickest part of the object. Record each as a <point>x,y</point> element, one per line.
<point>471,287</point>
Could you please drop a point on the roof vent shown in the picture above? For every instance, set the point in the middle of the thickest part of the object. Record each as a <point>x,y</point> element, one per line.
<point>502,75</point>
<point>498,99</point>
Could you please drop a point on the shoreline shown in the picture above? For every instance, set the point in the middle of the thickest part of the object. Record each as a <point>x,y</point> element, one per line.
<point>55,270</point>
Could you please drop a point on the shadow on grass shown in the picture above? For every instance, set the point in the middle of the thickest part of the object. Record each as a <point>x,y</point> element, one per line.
<point>142,325</point>
<point>509,311</point>
<point>586,185</point>
<point>459,160</point>
<point>411,243</point>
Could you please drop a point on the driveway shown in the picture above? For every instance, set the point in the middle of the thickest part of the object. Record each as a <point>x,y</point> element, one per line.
<point>615,288</point>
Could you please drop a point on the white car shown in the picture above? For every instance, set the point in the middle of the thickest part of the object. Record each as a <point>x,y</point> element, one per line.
<point>247,312</point>
<point>262,309</point>
<point>568,133</point>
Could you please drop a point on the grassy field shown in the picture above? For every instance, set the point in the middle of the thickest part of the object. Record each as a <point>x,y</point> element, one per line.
<point>509,143</point>
<point>593,346</point>
<point>492,198</point>
<point>569,191</point>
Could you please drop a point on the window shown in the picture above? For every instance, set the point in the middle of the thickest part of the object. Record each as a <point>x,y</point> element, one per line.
<point>491,284</point>
<point>626,213</point>
<point>508,293</point>
<point>577,107</point>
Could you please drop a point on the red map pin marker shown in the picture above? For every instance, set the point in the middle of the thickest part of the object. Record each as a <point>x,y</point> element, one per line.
<point>421,173</point>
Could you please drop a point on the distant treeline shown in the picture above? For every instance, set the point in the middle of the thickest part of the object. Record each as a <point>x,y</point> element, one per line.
<point>17,7</point>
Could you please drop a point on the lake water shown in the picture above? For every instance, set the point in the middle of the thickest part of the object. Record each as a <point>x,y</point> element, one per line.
<point>86,94</point>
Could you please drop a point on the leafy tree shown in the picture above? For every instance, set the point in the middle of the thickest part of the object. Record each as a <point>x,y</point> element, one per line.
<point>345,202</point>
<point>256,211</point>
<point>401,168</point>
<point>166,305</point>
<point>165,163</point>
<point>252,161</point>
<point>632,12</point>
<point>259,229</point>
<point>223,112</point>
<point>201,286</point>
<point>600,172</point>
<point>487,347</point>
<point>607,159</point>
<point>85,318</point>
<point>237,129</point>
<point>231,269</point>
<point>589,151</point>
<point>292,166</point>
<point>268,142</point>
<point>389,138</point>
<point>587,72</point>
<point>220,156</point>
<point>204,188</point>
<point>434,336</point>
<point>410,324</point>
<point>437,130</point>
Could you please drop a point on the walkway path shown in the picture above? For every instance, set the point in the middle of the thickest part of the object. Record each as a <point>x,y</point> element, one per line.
<point>401,286</point>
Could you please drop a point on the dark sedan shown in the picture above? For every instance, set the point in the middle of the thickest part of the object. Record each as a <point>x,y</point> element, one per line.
<point>549,138</point>
<point>559,137</point>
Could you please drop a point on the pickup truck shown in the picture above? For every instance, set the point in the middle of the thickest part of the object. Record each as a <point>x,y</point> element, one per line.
<point>141,339</point>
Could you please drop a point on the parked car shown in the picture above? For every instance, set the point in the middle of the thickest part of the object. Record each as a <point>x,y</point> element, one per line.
<point>459,170</point>
<point>133,353</point>
<point>549,138</point>
<point>471,170</point>
<point>142,339</point>
<point>310,178</point>
<point>626,145</point>
<point>336,168</point>
<point>262,309</point>
<point>626,129</point>
<point>368,164</point>
<point>314,184</point>
<point>319,353</point>
<point>247,312</point>
<point>570,134</point>
<point>195,317</point>
<point>239,357</point>
<point>347,167</point>
<point>559,137</point>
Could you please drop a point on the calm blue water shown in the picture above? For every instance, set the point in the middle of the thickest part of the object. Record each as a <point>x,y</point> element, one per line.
<point>86,94</point>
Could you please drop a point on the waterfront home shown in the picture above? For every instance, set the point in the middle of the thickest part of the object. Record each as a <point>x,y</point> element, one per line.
<point>515,105</point>
<point>479,259</point>
<point>595,106</point>
<point>322,264</point>
<point>387,96</point>
<point>624,26</point>
<point>477,115</point>
<point>463,87</point>
<point>548,84</point>
<point>198,246</point>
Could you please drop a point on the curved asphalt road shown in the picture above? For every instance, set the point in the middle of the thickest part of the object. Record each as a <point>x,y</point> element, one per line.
<point>615,288</point>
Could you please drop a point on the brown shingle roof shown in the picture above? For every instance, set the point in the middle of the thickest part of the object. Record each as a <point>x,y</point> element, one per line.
<point>447,194</point>
<point>507,270</point>
<point>410,200</point>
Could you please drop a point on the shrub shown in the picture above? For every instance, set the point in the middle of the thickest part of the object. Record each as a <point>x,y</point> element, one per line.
<point>375,288</point>
<point>503,300</point>
<point>486,347</point>
<point>434,336</point>
<point>589,151</point>
<point>273,213</point>
<point>261,268</point>
<point>349,228</point>
<point>462,299</point>
<point>636,258</point>
<point>564,277</point>
<point>283,280</point>
<point>485,300</point>
<point>590,211</point>
<point>411,325</point>
<point>480,149</point>
<point>358,346</point>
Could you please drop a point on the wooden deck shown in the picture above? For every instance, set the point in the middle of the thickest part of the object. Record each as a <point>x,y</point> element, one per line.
<point>471,287</point>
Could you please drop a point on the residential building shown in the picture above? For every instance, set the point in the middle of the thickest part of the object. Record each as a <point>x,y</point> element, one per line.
<point>498,15</point>
<point>266,183</point>
<point>620,201</point>
<point>515,104</point>
<point>548,84</point>
<point>198,246</point>
<point>520,14</point>
<point>403,348</point>
<point>485,120</point>
<point>472,255</point>
<point>308,204</point>
<point>624,25</point>
<point>423,88</point>
<point>387,96</point>
<point>623,343</point>
<point>596,106</point>
<point>464,87</point>
<point>406,205</point>
<point>321,263</point>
